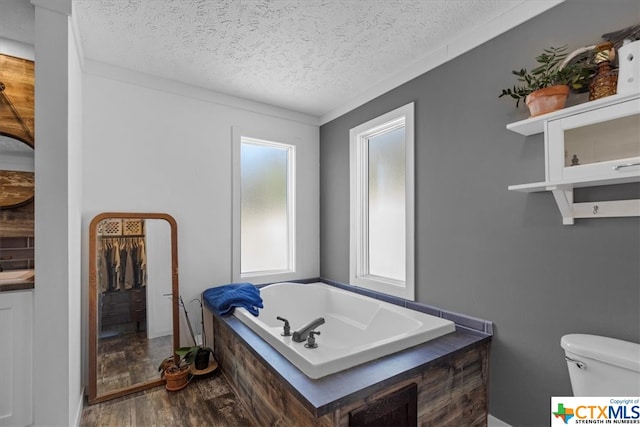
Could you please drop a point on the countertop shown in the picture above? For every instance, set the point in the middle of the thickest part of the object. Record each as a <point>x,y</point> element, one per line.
<point>16,286</point>
<point>16,280</point>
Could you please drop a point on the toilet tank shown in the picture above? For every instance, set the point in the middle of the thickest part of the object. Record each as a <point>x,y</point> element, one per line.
<point>602,366</point>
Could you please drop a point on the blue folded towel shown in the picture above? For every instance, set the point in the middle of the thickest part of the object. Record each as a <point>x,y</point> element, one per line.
<point>224,299</point>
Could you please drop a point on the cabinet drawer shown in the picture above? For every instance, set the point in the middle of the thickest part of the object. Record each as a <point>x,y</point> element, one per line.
<point>112,318</point>
<point>138,299</point>
<point>111,298</point>
<point>116,308</point>
<point>138,315</point>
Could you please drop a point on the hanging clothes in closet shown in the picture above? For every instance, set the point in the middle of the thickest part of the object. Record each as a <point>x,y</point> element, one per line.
<point>121,263</point>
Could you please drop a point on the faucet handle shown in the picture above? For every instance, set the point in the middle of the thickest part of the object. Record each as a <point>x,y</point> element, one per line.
<point>311,340</point>
<point>287,327</point>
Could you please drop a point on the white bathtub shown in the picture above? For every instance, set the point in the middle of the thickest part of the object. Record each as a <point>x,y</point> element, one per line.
<point>358,329</point>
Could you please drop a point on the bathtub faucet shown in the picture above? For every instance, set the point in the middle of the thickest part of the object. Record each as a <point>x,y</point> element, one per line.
<point>301,334</point>
<point>287,328</point>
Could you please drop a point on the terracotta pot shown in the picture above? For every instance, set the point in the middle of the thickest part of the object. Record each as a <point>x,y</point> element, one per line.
<point>546,100</point>
<point>177,378</point>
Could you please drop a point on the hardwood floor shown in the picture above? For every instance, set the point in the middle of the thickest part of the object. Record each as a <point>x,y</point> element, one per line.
<point>206,401</point>
<point>128,359</point>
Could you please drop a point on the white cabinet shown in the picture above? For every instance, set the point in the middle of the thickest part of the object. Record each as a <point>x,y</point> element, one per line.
<point>598,145</point>
<point>591,144</point>
<point>16,348</point>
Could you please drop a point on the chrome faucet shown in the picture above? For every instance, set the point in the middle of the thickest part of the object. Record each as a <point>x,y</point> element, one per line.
<point>301,334</point>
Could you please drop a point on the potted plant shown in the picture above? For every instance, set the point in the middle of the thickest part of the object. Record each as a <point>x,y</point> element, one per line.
<point>176,369</point>
<point>198,354</point>
<point>546,87</point>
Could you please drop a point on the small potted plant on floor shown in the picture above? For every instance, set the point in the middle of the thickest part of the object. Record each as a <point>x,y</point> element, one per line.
<point>175,369</point>
<point>201,353</point>
<point>187,361</point>
<point>546,87</point>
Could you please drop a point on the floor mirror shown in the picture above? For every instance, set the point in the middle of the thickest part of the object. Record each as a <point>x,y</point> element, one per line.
<point>133,301</point>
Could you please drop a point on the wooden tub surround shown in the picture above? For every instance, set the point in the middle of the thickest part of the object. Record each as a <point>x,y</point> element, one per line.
<point>442,382</point>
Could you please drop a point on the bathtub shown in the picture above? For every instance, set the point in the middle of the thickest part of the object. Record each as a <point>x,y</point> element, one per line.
<point>357,329</point>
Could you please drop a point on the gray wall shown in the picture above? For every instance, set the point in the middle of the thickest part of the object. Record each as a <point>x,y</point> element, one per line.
<point>488,252</point>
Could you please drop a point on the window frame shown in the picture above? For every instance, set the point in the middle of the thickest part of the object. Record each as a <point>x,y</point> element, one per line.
<point>238,138</point>
<point>359,182</point>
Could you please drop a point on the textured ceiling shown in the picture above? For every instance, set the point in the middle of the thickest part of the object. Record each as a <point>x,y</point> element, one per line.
<point>17,20</point>
<point>309,56</point>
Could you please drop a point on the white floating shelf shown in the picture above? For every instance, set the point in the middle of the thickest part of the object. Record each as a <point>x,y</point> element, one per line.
<point>535,125</point>
<point>535,187</point>
<point>598,173</point>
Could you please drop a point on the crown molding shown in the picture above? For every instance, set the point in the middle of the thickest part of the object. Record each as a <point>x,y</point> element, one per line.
<point>60,6</point>
<point>113,72</point>
<point>521,12</point>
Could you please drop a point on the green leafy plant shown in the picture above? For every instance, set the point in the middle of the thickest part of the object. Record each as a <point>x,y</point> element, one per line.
<point>551,71</point>
<point>186,355</point>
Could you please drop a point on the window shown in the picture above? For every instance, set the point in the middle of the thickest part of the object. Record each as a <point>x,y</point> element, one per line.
<point>266,217</point>
<point>275,202</point>
<point>382,218</point>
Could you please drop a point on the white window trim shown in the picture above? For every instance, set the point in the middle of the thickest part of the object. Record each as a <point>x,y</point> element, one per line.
<point>238,137</point>
<point>358,268</point>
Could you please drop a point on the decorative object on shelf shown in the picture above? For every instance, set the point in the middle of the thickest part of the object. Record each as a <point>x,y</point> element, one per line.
<point>618,37</point>
<point>575,161</point>
<point>547,99</point>
<point>551,73</point>
<point>605,81</point>
<point>629,67</point>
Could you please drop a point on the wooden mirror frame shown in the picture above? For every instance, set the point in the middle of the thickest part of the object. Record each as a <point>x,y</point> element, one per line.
<point>93,302</point>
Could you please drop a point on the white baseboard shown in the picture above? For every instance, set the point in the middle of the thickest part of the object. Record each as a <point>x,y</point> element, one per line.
<point>495,422</point>
<point>80,407</point>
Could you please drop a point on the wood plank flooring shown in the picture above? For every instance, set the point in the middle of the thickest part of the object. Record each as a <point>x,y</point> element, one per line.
<point>129,359</point>
<point>207,401</point>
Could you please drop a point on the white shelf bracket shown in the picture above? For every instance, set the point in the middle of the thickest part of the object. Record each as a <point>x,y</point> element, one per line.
<point>564,200</point>
<point>611,209</point>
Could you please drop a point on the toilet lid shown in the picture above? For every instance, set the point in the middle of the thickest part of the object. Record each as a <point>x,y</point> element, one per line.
<point>616,352</point>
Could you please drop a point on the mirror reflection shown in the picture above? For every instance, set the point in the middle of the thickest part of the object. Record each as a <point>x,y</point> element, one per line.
<point>133,285</point>
<point>16,172</point>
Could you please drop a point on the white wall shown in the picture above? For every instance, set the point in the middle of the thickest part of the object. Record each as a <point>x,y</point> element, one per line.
<point>74,177</point>
<point>57,320</point>
<point>166,147</point>
<point>159,275</point>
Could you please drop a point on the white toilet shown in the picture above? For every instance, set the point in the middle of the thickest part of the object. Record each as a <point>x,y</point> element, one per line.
<point>601,366</point>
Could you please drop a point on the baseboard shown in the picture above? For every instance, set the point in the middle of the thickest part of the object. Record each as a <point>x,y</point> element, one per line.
<point>495,422</point>
<point>80,407</point>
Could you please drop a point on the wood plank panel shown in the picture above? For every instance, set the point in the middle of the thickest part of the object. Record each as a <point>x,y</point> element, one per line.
<point>264,395</point>
<point>451,391</point>
<point>18,222</point>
